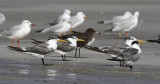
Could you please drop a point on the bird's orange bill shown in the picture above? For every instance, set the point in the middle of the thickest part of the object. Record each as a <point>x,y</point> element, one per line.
<point>141,42</point>
<point>80,40</point>
<point>60,40</point>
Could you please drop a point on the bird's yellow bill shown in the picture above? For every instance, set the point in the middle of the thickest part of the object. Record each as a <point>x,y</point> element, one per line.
<point>80,40</point>
<point>60,40</point>
<point>141,42</point>
<point>71,29</point>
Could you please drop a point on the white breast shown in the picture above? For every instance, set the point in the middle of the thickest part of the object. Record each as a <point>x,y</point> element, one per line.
<point>91,42</point>
<point>60,52</point>
<point>35,54</point>
<point>64,29</point>
<point>79,21</point>
<point>21,33</point>
<point>52,44</point>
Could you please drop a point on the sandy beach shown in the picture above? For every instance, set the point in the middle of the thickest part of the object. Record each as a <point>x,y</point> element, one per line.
<point>92,67</point>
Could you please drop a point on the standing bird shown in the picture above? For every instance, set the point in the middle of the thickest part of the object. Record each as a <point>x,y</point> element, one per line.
<point>88,36</point>
<point>129,55</point>
<point>113,51</point>
<point>116,19</point>
<point>41,49</point>
<point>64,47</point>
<point>18,32</point>
<point>127,24</point>
<point>60,28</point>
<point>2,18</point>
<point>65,16</point>
<point>77,20</point>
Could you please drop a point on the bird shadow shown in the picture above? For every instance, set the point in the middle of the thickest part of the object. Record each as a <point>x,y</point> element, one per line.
<point>81,57</point>
<point>58,60</point>
<point>110,65</point>
<point>110,35</point>
<point>119,38</point>
<point>71,57</point>
<point>78,57</point>
<point>48,64</point>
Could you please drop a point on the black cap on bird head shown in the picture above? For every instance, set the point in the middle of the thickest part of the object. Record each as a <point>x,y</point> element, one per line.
<point>135,42</point>
<point>91,30</point>
<point>52,37</point>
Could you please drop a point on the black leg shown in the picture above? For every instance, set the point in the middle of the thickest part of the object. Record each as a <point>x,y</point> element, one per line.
<point>65,57</point>
<point>76,53</point>
<point>131,67</point>
<point>62,57</point>
<point>43,61</point>
<point>120,63</point>
<point>79,52</point>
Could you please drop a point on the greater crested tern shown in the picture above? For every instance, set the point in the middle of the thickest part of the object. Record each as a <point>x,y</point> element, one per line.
<point>40,49</point>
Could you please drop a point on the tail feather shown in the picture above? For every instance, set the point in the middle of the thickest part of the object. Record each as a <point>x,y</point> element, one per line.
<point>17,49</point>
<point>39,31</point>
<point>154,41</point>
<point>95,49</point>
<point>51,24</point>
<point>74,32</point>
<point>115,59</point>
<point>100,22</point>
<point>26,51</point>
<point>109,22</point>
<point>108,30</point>
<point>36,41</point>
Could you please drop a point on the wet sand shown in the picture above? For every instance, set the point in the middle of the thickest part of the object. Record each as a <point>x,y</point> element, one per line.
<point>92,68</point>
